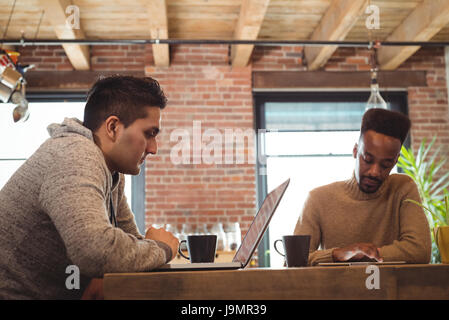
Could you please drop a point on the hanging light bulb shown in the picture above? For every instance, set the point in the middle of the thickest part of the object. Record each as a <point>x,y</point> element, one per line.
<point>21,112</point>
<point>375,99</point>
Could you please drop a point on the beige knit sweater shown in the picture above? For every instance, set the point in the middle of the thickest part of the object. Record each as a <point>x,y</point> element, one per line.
<point>340,214</point>
<point>54,212</point>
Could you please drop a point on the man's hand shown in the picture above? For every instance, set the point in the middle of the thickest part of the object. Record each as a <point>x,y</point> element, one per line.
<point>357,251</point>
<point>164,236</point>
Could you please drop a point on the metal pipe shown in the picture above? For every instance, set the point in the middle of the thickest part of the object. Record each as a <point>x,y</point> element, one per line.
<point>368,44</point>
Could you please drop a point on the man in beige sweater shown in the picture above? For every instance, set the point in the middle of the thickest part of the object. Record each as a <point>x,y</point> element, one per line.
<point>366,218</point>
<point>64,212</point>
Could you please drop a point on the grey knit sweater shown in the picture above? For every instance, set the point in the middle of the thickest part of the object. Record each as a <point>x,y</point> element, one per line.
<point>340,214</point>
<point>54,212</point>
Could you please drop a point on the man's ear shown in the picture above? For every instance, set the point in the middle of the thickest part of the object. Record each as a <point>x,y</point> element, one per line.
<point>354,151</point>
<point>112,127</point>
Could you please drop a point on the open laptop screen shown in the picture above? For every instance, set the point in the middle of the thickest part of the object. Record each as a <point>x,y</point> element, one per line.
<point>259,225</point>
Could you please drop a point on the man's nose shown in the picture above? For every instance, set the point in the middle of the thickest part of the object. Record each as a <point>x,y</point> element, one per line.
<point>374,170</point>
<point>151,146</point>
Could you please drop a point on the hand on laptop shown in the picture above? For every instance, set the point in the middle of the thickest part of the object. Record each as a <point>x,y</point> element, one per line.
<point>164,236</point>
<point>356,252</point>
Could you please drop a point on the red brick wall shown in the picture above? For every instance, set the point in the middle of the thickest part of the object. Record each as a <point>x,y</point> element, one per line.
<point>45,58</point>
<point>282,58</point>
<point>126,57</point>
<point>105,57</point>
<point>201,86</point>
<point>428,106</point>
<point>349,59</point>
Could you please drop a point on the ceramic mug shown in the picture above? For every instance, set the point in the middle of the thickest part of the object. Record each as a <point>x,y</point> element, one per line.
<point>296,248</point>
<point>201,248</point>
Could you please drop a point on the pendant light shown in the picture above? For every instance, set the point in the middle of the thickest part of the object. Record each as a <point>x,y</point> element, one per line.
<point>375,99</point>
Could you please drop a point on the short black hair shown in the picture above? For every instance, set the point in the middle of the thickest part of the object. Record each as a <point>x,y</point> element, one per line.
<point>123,96</point>
<point>387,122</point>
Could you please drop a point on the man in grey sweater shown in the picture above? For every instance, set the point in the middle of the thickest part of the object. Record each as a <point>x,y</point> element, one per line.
<point>64,210</point>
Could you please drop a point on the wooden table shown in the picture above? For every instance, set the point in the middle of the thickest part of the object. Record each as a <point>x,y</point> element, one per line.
<point>395,282</point>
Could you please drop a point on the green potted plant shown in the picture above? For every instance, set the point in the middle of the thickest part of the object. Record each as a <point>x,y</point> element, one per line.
<point>423,169</point>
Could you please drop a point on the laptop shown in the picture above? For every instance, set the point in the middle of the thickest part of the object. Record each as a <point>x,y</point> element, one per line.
<point>249,243</point>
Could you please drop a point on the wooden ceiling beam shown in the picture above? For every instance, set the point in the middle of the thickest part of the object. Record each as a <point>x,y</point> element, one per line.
<point>425,21</point>
<point>69,81</point>
<point>157,11</point>
<point>252,14</point>
<point>5,47</point>
<point>55,12</point>
<point>336,23</point>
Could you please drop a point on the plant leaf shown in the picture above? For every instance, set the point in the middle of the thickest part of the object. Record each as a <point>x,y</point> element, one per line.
<point>445,183</point>
<point>428,147</point>
<point>434,214</point>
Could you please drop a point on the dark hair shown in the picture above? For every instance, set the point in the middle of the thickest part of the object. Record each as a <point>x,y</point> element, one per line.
<point>390,123</point>
<point>122,96</point>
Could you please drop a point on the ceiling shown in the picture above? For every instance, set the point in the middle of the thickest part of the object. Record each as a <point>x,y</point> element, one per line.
<point>400,20</point>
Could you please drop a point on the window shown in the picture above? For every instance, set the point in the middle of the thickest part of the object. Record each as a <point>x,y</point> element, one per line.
<point>20,140</point>
<point>309,138</point>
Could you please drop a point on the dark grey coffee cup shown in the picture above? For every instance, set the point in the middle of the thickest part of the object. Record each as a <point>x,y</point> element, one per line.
<point>201,248</point>
<point>296,248</point>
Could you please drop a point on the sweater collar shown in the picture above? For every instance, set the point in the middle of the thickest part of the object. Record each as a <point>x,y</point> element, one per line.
<point>73,126</point>
<point>69,127</point>
<point>352,188</point>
